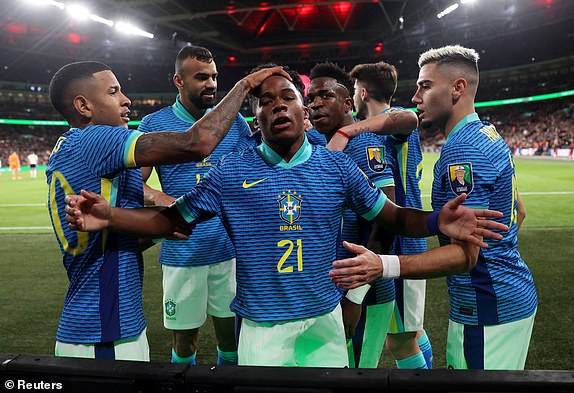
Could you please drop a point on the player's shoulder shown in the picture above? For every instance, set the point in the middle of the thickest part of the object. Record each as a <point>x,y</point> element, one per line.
<point>159,115</point>
<point>329,157</point>
<point>238,156</point>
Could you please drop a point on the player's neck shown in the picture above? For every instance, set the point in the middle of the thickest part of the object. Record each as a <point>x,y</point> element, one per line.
<point>348,119</point>
<point>375,108</point>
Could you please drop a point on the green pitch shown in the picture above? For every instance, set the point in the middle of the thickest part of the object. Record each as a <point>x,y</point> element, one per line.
<point>33,281</point>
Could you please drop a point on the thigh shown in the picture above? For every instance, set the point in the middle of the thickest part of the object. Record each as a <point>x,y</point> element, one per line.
<point>267,344</point>
<point>184,297</point>
<point>136,348</point>
<point>133,349</point>
<point>322,342</point>
<point>409,312</point>
<point>221,289</point>
<point>376,326</point>
<point>492,347</point>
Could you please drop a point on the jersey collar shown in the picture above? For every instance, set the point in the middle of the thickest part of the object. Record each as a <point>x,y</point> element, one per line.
<point>465,120</point>
<point>270,156</point>
<point>182,113</point>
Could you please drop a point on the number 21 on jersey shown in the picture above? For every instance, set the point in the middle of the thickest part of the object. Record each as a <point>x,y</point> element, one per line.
<point>290,246</point>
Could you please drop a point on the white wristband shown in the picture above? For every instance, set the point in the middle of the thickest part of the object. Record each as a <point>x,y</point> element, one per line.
<point>391,266</point>
<point>356,295</point>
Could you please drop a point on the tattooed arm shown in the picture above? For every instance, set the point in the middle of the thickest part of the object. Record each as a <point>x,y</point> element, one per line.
<point>395,122</point>
<point>160,148</point>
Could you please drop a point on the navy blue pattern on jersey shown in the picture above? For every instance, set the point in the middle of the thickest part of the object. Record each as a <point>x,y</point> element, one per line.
<point>501,288</point>
<point>209,242</point>
<point>105,269</point>
<point>355,229</point>
<point>284,220</point>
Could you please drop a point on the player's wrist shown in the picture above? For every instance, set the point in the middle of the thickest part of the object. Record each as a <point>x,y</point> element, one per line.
<point>391,266</point>
<point>432,223</point>
<point>346,134</point>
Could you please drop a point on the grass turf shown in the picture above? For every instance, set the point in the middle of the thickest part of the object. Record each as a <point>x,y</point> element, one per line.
<point>33,282</point>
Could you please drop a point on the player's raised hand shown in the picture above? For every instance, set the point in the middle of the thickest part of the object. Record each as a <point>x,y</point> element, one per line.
<point>256,78</point>
<point>87,212</point>
<point>338,142</point>
<point>462,223</point>
<point>353,272</point>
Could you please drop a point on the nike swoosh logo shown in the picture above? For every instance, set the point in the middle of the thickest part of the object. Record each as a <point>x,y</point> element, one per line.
<point>249,185</point>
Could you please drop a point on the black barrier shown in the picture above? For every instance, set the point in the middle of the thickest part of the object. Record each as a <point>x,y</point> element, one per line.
<point>22,373</point>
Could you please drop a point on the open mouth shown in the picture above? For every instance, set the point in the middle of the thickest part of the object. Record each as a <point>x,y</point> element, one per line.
<point>126,116</point>
<point>281,122</point>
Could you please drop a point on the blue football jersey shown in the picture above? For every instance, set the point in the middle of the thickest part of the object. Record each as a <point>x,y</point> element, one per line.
<point>368,151</point>
<point>500,289</point>
<point>208,242</point>
<point>105,269</point>
<point>284,220</point>
<point>316,138</point>
<point>405,158</point>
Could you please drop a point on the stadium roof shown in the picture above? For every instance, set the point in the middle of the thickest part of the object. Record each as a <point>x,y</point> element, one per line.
<point>298,33</point>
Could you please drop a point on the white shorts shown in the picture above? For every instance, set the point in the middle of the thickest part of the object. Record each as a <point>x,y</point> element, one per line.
<point>136,348</point>
<point>489,347</point>
<point>191,293</point>
<point>409,314</point>
<point>311,342</point>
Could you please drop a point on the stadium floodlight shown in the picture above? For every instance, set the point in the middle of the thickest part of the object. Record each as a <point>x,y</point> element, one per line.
<point>447,10</point>
<point>101,20</point>
<point>467,1</point>
<point>78,11</point>
<point>45,2</point>
<point>127,28</point>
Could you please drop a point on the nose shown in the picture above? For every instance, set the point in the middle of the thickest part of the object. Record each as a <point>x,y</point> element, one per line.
<point>315,102</point>
<point>279,105</point>
<point>416,99</point>
<point>211,83</point>
<point>126,101</point>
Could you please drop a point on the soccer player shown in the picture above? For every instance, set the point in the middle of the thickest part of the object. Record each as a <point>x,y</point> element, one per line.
<point>14,160</point>
<point>102,315</point>
<point>375,85</point>
<point>331,108</point>
<point>493,306</point>
<point>33,162</point>
<point>282,203</point>
<point>198,273</point>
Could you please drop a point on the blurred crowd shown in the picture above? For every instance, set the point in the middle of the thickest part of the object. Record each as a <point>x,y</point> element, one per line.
<point>532,129</point>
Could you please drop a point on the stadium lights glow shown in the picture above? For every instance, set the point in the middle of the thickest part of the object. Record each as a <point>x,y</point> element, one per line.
<point>78,11</point>
<point>45,2</point>
<point>101,20</point>
<point>447,10</point>
<point>467,1</point>
<point>128,28</point>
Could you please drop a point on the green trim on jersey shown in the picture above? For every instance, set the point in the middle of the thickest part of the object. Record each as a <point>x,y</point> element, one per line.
<point>467,119</point>
<point>271,157</point>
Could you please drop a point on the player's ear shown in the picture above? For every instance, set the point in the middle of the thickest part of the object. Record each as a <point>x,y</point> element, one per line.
<point>458,88</point>
<point>348,104</point>
<point>82,106</point>
<point>177,80</point>
<point>364,94</point>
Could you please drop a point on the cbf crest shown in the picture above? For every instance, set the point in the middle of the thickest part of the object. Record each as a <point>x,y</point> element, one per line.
<point>170,309</point>
<point>376,158</point>
<point>290,206</point>
<point>460,176</point>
